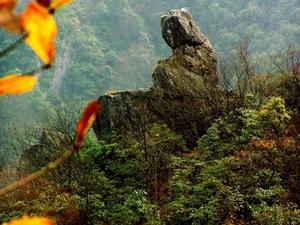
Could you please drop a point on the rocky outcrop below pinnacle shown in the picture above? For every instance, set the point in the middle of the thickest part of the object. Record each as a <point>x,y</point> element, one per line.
<point>184,86</point>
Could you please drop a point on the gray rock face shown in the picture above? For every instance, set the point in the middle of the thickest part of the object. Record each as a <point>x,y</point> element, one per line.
<point>183,90</point>
<point>179,28</point>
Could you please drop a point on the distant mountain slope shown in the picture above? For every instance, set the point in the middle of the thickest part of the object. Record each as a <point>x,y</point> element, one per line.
<point>110,45</point>
<point>119,41</point>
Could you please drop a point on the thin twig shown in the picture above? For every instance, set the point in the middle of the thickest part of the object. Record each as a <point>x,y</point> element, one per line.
<point>26,180</point>
<point>39,69</point>
<point>13,46</point>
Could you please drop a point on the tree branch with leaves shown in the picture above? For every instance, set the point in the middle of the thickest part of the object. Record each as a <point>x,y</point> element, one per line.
<point>37,28</point>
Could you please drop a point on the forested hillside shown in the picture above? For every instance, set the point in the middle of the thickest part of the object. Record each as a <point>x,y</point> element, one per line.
<point>112,45</point>
<point>242,166</point>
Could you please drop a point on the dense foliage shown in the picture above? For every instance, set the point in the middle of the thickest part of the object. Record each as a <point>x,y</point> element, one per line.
<point>244,170</point>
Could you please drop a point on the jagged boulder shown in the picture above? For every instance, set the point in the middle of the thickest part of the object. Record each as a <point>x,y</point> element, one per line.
<point>184,90</point>
<point>179,28</point>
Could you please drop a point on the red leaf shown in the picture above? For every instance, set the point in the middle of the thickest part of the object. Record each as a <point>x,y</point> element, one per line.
<point>45,3</point>
<point>87,119</point>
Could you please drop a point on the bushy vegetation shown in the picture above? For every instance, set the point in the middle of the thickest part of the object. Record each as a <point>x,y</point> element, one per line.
<point>244,170</point>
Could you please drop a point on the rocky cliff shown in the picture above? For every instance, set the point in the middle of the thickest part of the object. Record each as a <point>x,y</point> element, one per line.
<point>184,86</point>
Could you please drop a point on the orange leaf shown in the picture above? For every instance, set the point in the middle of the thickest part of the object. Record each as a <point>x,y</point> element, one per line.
<point>16,84</point>
<point>7,4</point>
<point>31,221</point>
<point>56,4</point>
<point>8,19</point>
<point>86,121</point>
<point>42,30</point>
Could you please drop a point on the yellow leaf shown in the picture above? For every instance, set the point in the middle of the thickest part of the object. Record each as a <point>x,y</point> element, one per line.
<point>56,4</point>
<point>16,84</point>
<point>31,221</point>
<point>42,30</point>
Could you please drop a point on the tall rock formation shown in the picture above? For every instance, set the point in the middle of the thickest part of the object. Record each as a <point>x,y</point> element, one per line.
<point>184,90</point>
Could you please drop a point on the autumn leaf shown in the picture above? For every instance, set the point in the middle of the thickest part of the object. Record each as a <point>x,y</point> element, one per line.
<point>8,19</point>
<point>16,84</point>
<point>42,30</point>
<point>86,121</point>
<point>45,3</point>
<point>31,221</point>
<point>7,4</point>
<point>56,4</point>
